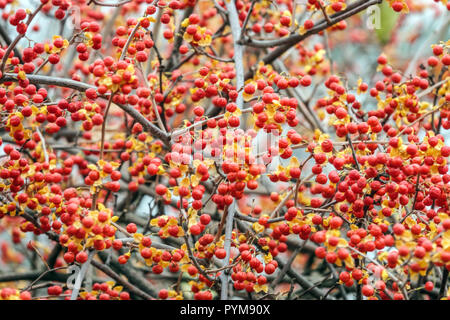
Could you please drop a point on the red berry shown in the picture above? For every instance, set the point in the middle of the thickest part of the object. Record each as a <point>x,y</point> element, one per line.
<point>205,219</point>
<point>163,294</point>
<point>367,290</point>
<point>131,228</point>
<point>341,113</point>
<point>397,6</point>
<point>161,189</point>
<point>220,253</point>
<point>81,257</point>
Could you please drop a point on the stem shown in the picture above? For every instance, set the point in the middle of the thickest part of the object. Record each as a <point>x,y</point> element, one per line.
<point>443,288</point>
<point>247,18</point>
<point>285,44</point>
<point>130,38</point>
<point>133,289</point>
<point>422,117</point>
<point>17,39</point>
<point>102,143</point>
<point>282,203</point>
<point>101,4</point>
<point>80,86</point>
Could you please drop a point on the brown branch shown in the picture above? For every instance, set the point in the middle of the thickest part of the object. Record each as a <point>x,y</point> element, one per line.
<point>244,25</point>
<point>442,289</point>
<point>221,224</point>
<point>132,275</point>
<point>80,86</point>
<point>105,117</point>
<point>282,203</point>
<point>101,4</point>
<point>128,286</point>
<point>422,117</point>
<point>194,260</point>
<point>130,38</point>
<point>169,66</point>
<point>285,44</point>
<point>325,13</point>
<point>18,38</point>
<point>42,275</point>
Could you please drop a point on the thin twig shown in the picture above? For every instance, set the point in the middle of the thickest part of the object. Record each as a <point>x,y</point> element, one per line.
<point>127,285</point>
<point>18,38</point>
<point>102,4</point>
<point>105,117</point>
